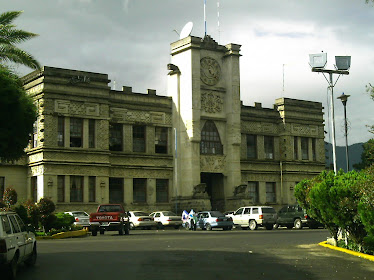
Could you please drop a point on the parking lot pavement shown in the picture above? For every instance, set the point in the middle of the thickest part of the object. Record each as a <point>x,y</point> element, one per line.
<point>182,254</point>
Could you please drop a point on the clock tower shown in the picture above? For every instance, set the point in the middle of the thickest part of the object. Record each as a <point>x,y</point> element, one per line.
<point>204,83</point>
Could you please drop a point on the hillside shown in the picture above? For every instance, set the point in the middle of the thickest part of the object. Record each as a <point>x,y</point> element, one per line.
<point>354,151</point>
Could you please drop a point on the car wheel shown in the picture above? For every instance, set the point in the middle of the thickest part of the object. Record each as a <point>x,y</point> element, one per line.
<point>12,268</point>
<point>94,232</point>
<point>127,229</point>
<point>120,230</point>
<point>298,224</point>
<point>269,227</point>
<point>252,225</point>
<point>32,259</point>
<point>132,227</point>
<point>208,226</point>
<point>187,226</point>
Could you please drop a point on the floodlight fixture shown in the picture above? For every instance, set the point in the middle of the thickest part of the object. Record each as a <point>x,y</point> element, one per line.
<point>318,60</point>
<point>342,62</point>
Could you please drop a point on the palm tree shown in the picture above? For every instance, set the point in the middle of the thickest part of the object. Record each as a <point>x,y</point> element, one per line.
<point>9,37</point>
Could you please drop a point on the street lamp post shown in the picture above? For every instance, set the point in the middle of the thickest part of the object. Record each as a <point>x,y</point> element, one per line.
<point>342,65</point>
<point>344,98</point>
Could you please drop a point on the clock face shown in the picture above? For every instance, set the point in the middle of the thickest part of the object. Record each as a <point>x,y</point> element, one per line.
<point>210,71</point>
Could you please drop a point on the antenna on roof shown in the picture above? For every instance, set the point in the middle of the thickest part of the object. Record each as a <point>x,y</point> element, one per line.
<point>219,31</point>
<point>205,17</point>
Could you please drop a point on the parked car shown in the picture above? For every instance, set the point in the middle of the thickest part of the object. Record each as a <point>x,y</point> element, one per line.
<point>228,213</point>
<point>81,218</point>
<point>109,217</point>
<point>17,244</point>
<point>253,216</point>
<point>291,216</point>
<point>166,219</point>
<point>294,216</point>
<point>213,219</point>
<point>139,219</point>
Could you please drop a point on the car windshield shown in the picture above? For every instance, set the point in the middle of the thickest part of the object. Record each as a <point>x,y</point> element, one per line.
<point>80,214</point>
<point>216,214</point>
<point>137,214</point>
<point>268,210</point>
<point>110,208</point>
<point>169,213</point>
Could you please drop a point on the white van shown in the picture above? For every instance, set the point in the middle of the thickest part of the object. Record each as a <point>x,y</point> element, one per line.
<point>253,216</point>
<point>17,244</point>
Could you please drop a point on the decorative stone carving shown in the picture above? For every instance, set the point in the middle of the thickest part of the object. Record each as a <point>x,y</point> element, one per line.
<point>240,190</point>
<point>308,130</point>
<point>200,191</point>
<point>157,117</point>
<point>92,109</point>
<point>213,164</point>
<point>62,106</point>
<point>211,103</point>
<point>210,71</point>
<point>256,127</point>
<point>209,43</point>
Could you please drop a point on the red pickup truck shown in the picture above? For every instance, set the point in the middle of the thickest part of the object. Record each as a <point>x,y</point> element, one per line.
<point>109,217</point>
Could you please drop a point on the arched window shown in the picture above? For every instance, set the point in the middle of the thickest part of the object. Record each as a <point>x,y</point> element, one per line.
<point>210,141</point>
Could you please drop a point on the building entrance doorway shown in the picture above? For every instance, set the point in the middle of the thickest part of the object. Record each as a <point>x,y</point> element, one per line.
<point>215,189</point>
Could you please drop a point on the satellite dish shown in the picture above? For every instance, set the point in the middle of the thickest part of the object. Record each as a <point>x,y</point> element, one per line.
<point>186,31</point>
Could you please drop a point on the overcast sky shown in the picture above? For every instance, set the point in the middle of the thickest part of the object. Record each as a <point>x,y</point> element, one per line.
<point>130,41</point>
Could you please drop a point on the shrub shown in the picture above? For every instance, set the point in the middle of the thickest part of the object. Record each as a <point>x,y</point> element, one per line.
<point>22,212</point>
<point>10,197</point>
<point>33,212</point>
<point>63,221</point>
<point>47,221</point>
<point>46,206</point>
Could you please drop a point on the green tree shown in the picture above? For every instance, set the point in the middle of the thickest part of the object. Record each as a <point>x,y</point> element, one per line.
<point>17,115</point>
<point>9,37</point>
<point>367,156</point>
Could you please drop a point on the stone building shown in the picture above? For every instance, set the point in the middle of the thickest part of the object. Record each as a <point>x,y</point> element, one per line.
<point>199,147</point>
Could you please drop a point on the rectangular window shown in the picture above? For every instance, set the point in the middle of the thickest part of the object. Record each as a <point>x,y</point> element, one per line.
<point>162,190</point>
<point>91,189</point>
<point>295,148</point>
<point>138,139</point>
<point>251,146</point>
<point>304,148</point>
<point>270,192</point>
<point>314,149</point>
<point>2,187</point>
<point>34,188</point>
<point>91,134</point>
<point>60,131</point>
<point>269,147</point>
<point>115,137</point>
<point>60,188</point>
<point>253,191</point>
<point>139,190</point>
<point>76,132</point>
<point>115,190</point>
<point>35,134</point>
<point>76,188</point>
<point>161,140</point>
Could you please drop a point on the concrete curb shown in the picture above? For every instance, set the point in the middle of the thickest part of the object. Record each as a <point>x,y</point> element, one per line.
<point>357,254</point>
<point>68,234</point>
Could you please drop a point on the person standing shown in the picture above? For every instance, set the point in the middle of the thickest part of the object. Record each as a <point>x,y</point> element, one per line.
<point>193,219</point>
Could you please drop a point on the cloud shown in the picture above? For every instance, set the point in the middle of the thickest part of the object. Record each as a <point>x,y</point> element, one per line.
<point>126,5</point>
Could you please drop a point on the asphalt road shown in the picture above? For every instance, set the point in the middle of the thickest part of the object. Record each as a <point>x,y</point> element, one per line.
<point>181,254</point>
